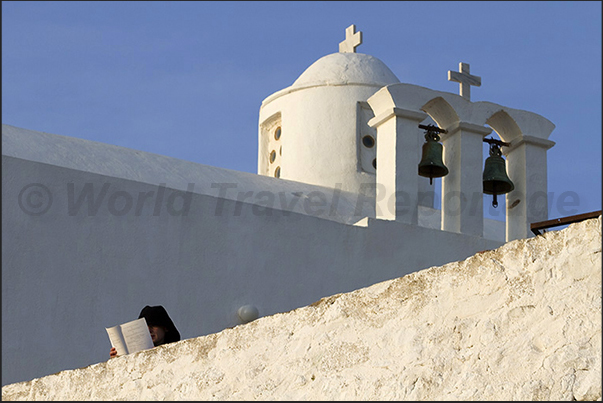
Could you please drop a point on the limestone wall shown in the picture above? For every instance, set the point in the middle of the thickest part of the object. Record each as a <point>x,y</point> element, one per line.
<point>522,322</point>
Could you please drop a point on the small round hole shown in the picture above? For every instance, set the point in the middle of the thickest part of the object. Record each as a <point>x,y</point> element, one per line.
<point>277,133</point>
<point>375,163</point>
<point>368,141</point>
<point>277,172</point>
<point>280,151</point>
<point>272,156</point>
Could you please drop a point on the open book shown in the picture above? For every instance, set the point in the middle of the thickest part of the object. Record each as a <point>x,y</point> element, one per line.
<point>130,337</point>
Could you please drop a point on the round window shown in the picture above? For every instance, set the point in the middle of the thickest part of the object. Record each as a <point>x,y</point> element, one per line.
<point>272,156</point>
<point>277,133</point>
<point>375,163</point>
<point>277,172</point>
<point>368,141</point>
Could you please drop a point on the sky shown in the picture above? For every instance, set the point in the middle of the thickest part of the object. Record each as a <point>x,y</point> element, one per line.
<point>186,79</point>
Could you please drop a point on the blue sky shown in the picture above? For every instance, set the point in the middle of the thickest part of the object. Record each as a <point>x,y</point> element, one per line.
<point>186,79</point>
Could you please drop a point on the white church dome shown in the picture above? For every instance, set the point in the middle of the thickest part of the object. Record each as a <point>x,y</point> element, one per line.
<point>346,68</point>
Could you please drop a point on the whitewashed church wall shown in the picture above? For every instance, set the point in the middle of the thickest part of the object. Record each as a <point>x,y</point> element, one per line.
<point>518,323</point>
<point>320,135</point>
<point>67,277</point>
<point>138,166</point>
<point>432,218</point>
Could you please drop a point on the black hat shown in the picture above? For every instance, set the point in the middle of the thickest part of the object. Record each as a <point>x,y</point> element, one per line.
<point>158,316</point>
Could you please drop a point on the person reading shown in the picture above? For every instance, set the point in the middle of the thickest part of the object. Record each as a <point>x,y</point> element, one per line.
<point>161,327</point>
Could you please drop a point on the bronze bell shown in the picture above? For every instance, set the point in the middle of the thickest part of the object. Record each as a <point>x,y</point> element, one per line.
<point>495,179</point>
<point>431,165</point>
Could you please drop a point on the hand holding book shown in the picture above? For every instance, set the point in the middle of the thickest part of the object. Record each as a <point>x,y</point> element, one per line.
<point>130,337</point>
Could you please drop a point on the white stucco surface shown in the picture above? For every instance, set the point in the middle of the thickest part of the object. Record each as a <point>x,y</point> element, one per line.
<point>322,122</point>
<point>138,166</point>
<point>345,69</point>
<point>398,108</point>
<point>271,243</point>
<point>522,322</point>
<point>93,232</point>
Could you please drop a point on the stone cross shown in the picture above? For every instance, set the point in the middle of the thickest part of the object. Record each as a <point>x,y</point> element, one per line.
<point>352,40</point>
<point>465,79</point>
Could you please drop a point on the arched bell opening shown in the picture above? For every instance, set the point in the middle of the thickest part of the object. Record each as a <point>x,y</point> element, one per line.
<point>504,125</point>
<point>498,177</point>
<point>441,114</point>
<point>430,161</point>
<point>496,182</point>
<point>440,111</point>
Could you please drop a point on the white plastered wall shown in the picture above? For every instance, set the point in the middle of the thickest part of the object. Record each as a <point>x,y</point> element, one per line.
<point>319,135</point>
<point>526,132</point>
<point>67,277</point>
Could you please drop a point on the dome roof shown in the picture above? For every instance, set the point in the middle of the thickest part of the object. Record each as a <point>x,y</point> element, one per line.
<point>346,68</point>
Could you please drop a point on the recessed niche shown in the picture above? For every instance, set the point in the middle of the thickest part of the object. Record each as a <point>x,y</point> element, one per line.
<point>375,163</point>
<point>368,141</point>
<point>277,133</point>
<point>277,172</point>
<point>272,156</point>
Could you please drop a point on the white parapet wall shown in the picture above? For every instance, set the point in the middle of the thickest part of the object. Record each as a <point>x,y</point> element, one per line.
<point>521,322</point>
<point>99,249</point>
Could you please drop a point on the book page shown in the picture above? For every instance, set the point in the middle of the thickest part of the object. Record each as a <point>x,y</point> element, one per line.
<point>136,335</point>
<point>117,340</point>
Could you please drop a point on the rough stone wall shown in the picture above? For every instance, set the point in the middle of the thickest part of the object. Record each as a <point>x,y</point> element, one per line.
<point>522,322</point>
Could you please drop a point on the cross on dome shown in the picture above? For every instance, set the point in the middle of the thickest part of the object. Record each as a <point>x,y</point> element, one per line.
<point>352,40</point>
<point>465,80</point>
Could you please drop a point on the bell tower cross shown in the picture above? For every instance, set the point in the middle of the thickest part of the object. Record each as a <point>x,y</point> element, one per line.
<point>464,79</point>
